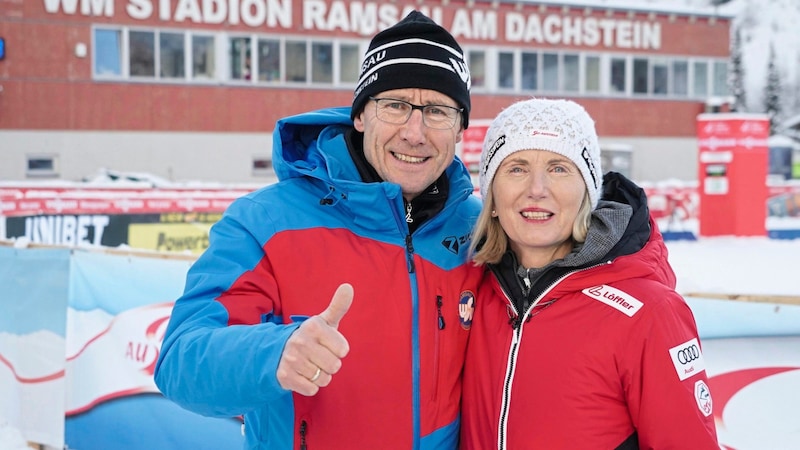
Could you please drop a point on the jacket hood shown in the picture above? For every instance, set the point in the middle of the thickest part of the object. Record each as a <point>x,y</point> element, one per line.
<point>296,142</point>
<point>297,152</point>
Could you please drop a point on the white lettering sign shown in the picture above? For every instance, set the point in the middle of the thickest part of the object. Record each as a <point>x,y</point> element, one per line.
<point>368,18</point>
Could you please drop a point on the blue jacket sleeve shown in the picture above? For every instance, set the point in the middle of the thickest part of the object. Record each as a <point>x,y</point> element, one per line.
<point>212,361</point>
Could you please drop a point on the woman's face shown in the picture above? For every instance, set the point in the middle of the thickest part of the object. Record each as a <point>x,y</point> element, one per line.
<point>537,196</point>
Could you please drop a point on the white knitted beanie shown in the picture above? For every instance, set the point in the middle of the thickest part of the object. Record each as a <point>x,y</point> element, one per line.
<point>559,126</point>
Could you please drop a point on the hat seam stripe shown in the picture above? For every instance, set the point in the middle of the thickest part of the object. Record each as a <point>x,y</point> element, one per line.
<point>391,62</point>
<point>414,41</point>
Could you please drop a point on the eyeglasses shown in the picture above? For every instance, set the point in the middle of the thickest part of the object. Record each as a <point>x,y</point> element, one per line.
<point>397,112</point>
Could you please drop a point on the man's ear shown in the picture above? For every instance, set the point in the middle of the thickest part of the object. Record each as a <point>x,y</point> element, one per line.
<point>459,135</point>
<point>358,121</point>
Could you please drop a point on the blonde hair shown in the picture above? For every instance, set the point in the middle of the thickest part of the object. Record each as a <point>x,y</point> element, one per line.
<point>490,241</point>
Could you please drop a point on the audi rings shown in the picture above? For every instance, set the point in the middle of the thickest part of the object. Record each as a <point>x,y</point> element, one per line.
<point>688,354</point>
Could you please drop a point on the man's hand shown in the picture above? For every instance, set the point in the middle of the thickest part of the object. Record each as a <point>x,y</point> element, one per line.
<point>315,350</point>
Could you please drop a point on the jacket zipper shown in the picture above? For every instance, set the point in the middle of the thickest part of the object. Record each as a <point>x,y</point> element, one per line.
<point>303,431</point>
<point>437,344</point>
<point>516,325</point>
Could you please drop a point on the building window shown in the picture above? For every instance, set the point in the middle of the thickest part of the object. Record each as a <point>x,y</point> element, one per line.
<point>550,72</point>
<point>262,166</point>
<point>592,74</point>
<point>203,57</point>
<point>41,166</point>
<point>477,67</point>
<point>680,78</point>
<point>350,57</point>
<point>640,67</point>
<point>720,78</point>
<point>618,75</point>
<point>269,60</point>
<point>700,78</point>
<point>660,77</point>
<point>108,52</point>
<point>142,56</point>
<point>321,63</point>
<point>173,55</point>
<point>505,70</point>
<point>572,73</point>
<point>240,62</point>
<point>530,71</point>
<point>296,61</point>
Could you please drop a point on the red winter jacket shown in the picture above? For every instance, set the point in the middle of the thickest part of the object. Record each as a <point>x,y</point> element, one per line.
<point>608,359</point>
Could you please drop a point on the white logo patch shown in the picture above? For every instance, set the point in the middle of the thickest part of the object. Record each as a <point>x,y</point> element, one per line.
<point>687,359</point>
<point>703,396</point>
<point>614,298</point>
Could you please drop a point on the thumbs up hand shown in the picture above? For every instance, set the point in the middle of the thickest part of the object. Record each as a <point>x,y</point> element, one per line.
<point>314,352</point>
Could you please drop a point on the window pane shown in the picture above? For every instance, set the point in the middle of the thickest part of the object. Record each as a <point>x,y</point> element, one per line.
<point>720,78</point>
<point>530,66</point>
<point>203,57</point>
<point>240,58</point>
<point>640,76</point>
<point>108,53</point>
<point>618,75</point>
<point>571,73</point>
<point>477,68</point>
<point>321,63</point>
<point>348,67</point>
<point>296,61</point>
<point>680,77</point>
<point>505,70</point>
<point>660,77</point>
<point>269,60</point>
<point>172,55</point>
<point>700,84</point>
<point>143,54</point>
<point>550,72</point>
<point>592,74</point>
<point>40,164</point>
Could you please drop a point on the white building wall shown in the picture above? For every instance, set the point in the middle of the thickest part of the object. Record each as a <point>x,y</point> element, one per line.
<point>190,156</point>
<point>228,157</point>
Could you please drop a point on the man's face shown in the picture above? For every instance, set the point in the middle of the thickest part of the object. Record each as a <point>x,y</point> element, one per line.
<point>412,154</point>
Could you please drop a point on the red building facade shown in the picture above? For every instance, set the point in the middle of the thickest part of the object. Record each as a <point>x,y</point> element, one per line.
<point>191,89</point>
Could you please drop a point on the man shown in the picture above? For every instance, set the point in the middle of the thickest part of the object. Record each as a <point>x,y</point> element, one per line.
<point>332,309</point>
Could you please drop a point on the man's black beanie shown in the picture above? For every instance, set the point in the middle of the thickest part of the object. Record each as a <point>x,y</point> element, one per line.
<point>414,53</point>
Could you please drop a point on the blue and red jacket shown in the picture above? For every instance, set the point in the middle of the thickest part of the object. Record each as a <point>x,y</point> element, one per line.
<point>277,256</point>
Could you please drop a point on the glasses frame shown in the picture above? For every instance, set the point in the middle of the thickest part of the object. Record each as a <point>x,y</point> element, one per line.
<point>414,107</point>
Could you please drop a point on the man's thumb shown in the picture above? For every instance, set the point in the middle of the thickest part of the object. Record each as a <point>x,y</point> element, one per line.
<point>340,304</point>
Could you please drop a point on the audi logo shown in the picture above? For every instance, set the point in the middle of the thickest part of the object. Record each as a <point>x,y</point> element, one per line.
<point>688,354</point>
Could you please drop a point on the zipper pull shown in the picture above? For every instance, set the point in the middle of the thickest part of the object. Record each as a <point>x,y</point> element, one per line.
<point>303,431</point>
<point>439,311</point>
<point>408,213</point>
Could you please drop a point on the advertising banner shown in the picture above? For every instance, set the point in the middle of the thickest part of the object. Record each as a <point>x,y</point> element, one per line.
<point>80,332</point>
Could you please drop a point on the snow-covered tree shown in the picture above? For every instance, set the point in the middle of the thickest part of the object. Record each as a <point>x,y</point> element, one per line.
<point>736,73</point>
<point>772,92</point>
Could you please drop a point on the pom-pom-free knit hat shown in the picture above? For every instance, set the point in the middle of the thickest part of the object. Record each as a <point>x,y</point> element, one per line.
<point>559,126</point>
<point>414,53</point>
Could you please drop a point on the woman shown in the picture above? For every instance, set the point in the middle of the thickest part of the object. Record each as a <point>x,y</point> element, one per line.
<point>579,340</point>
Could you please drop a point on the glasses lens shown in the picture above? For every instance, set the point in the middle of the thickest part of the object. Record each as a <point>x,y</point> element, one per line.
<point>439,116</point>
<point>393,111</point>
<point>398,112</point>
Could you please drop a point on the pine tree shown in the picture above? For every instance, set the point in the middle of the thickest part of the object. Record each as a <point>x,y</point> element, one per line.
<point>772,92</point>
<point>736,74</point>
